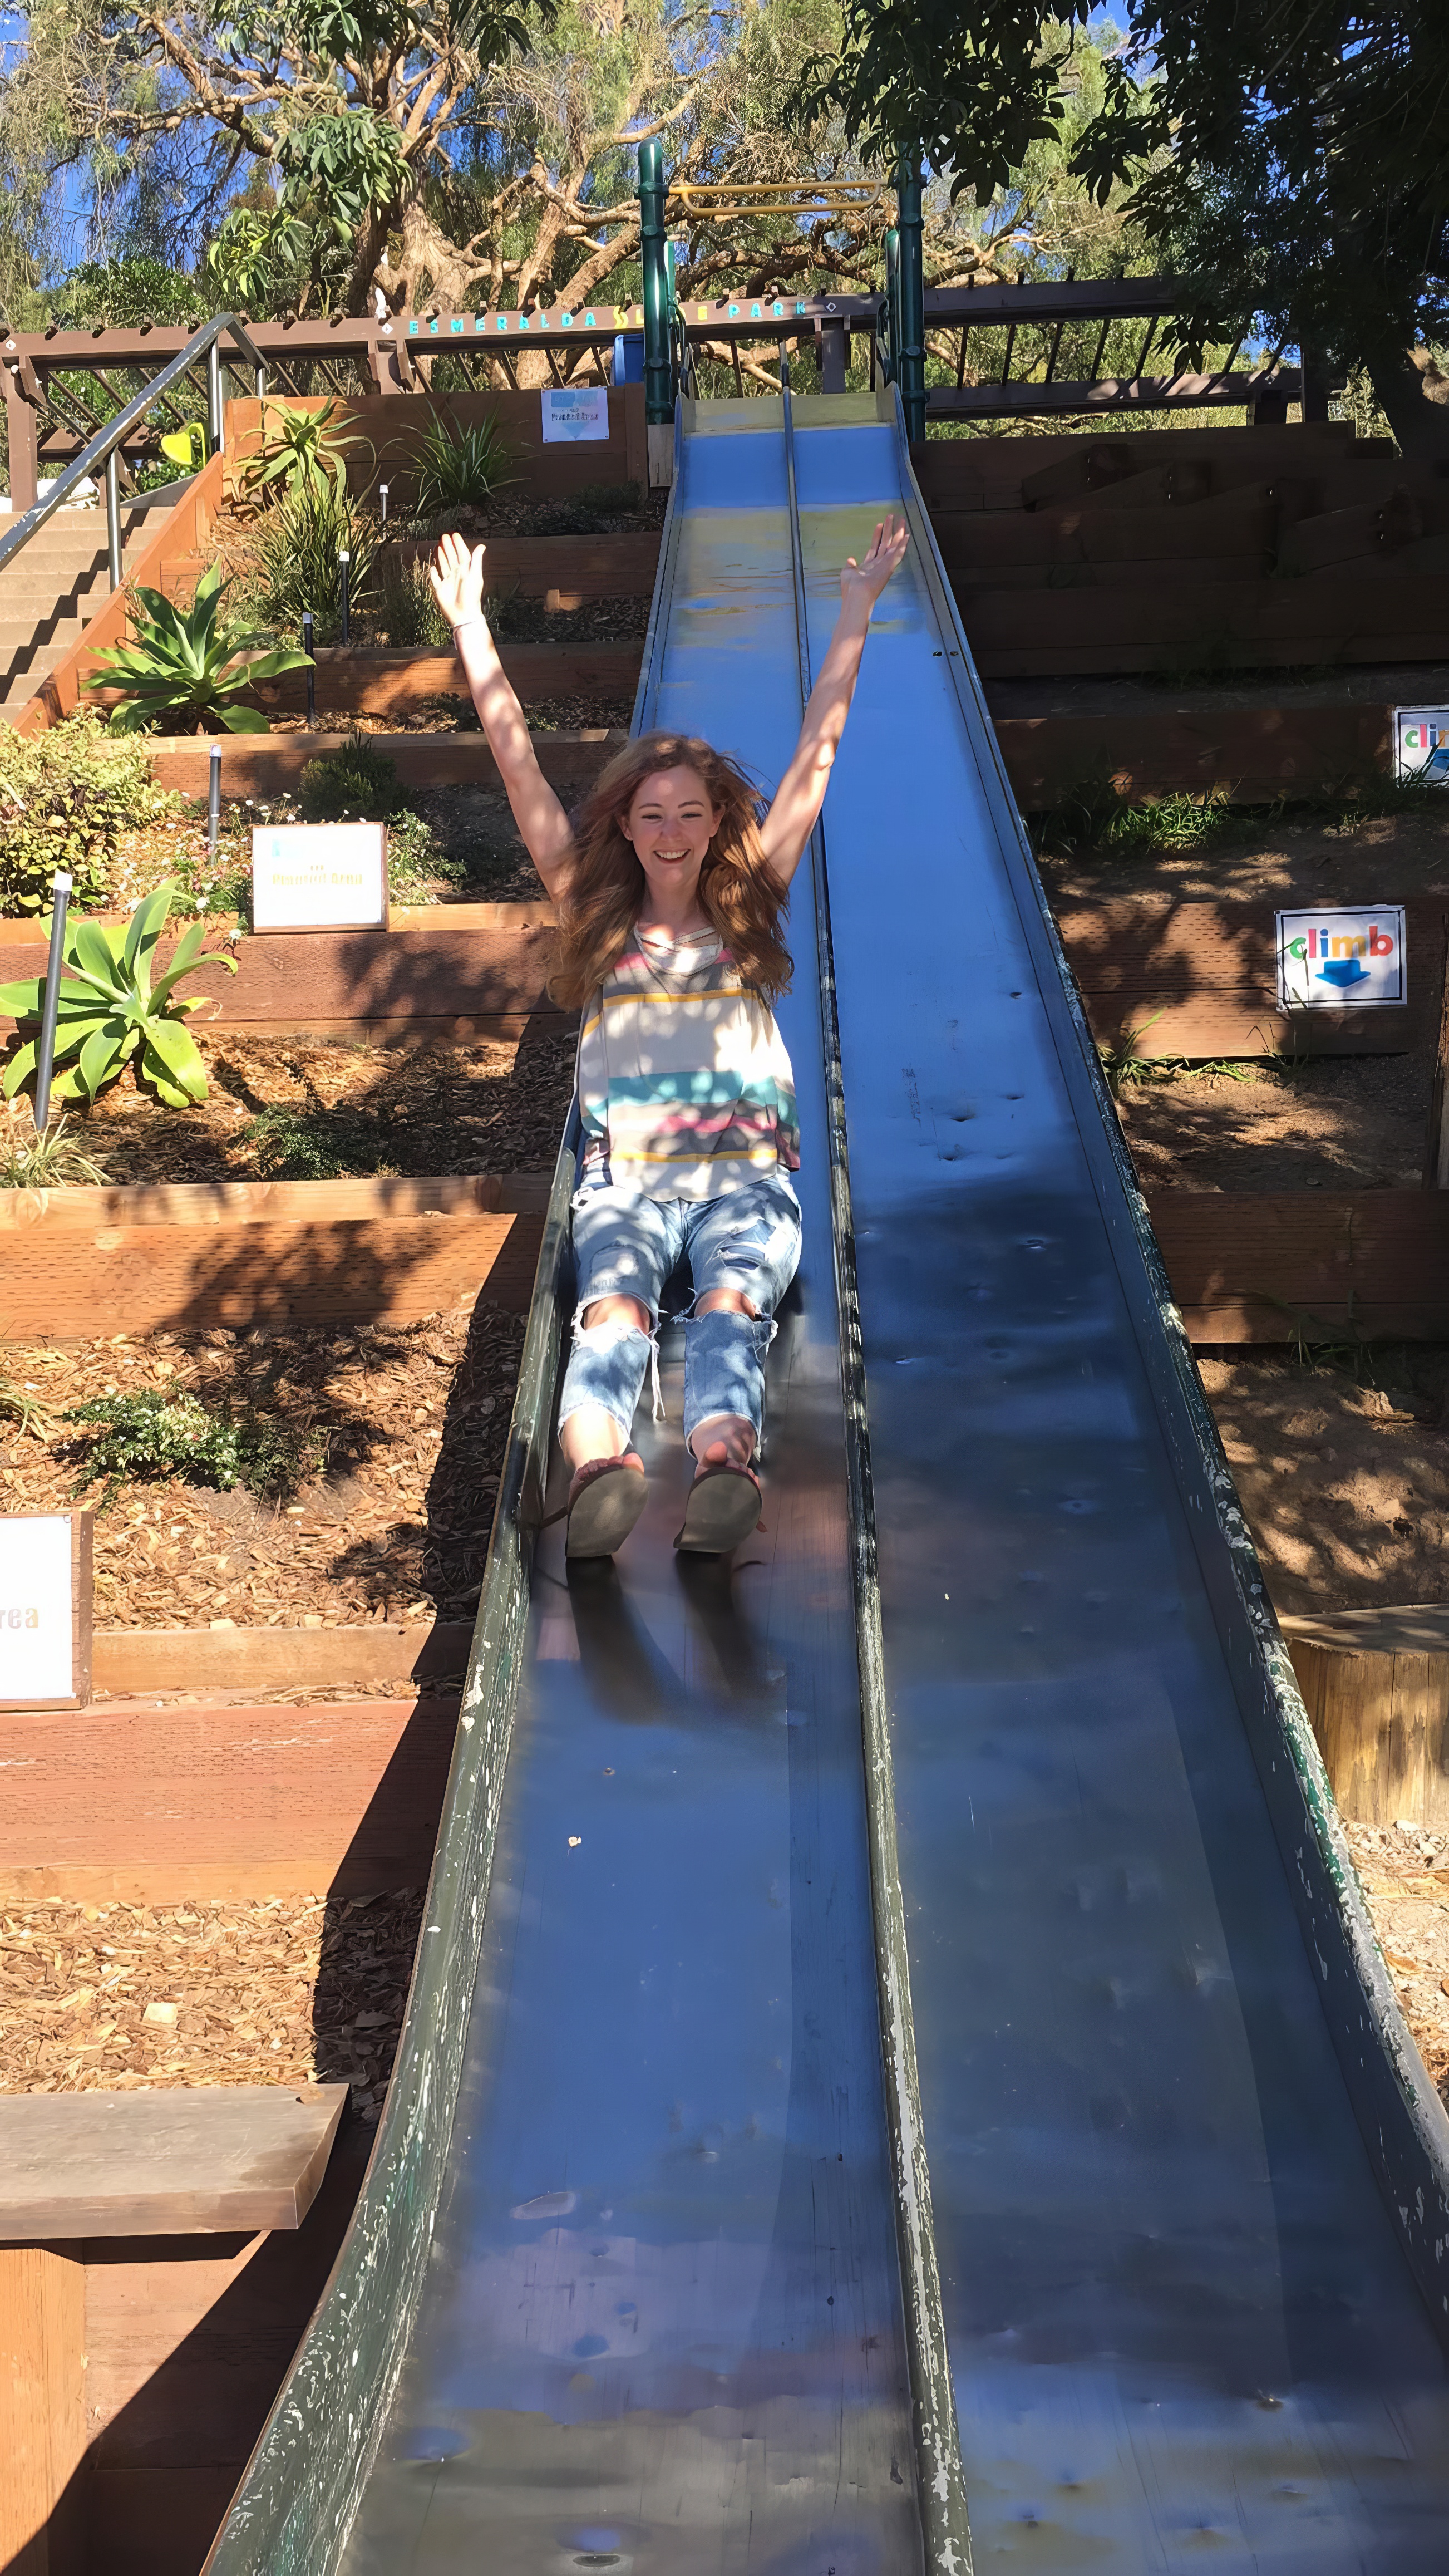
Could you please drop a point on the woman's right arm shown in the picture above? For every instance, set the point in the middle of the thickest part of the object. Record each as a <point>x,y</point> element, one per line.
<point>456,573</point>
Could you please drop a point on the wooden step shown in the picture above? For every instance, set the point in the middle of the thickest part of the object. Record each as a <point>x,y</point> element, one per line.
<point>1376,1687</point>
<point>223,2158</point>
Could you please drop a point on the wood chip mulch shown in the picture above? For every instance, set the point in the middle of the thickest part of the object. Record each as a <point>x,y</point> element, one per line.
<point>493,1107</point>
<point>1405,1873</point>
<point>291,1990</point>
<point>402,1430</point>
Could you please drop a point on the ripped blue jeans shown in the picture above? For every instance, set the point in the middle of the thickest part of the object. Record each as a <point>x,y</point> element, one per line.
<point>625,1245</point>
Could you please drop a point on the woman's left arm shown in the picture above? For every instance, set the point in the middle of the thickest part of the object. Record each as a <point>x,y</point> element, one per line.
<point>792,817</point>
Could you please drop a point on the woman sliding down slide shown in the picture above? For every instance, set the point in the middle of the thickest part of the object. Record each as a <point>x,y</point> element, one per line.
<point>669,895</point>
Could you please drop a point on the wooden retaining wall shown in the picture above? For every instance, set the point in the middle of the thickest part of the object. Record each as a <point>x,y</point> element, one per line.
<point>1204,975</point>
<point>1201,973</point>
<point>1269,1267</point>
<point>240,1253</point>
<point>149,1805</point>
<point>186,2338</point>
<point>1323,1264</point>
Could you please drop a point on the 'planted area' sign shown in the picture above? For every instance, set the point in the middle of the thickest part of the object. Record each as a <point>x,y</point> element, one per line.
<point>319,876</point>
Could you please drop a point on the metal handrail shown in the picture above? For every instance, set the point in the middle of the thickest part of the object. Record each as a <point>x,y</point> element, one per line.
<point>100,455</point>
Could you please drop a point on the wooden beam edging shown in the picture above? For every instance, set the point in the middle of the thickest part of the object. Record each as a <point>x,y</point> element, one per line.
<point>1401,2119</point>
<point>247,1253</point>
<point>293,2509</point>
<point>1376,1684</point>
<point>150,1801</point>
<point>1309,1266</point>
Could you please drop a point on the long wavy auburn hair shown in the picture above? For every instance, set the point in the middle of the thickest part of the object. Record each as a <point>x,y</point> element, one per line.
<point>738,889</point>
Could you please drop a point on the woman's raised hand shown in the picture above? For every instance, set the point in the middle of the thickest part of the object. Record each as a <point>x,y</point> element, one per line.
<point>861,584</point>
<point>456,573</point>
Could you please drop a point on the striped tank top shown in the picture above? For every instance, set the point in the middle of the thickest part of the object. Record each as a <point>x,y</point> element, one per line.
<point>685,1087</point>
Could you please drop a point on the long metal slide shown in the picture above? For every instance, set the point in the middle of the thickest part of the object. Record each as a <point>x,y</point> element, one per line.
<point>898,2067</point>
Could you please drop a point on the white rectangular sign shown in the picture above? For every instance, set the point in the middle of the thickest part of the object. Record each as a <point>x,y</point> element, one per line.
<point>1421,744</point>
<point>36,1639</point>
<point>1338,959</point>
<point>319,876</point>
<point>572,412</point>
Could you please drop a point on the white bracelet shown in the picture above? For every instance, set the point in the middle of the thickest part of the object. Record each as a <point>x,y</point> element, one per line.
<point>479,620</point>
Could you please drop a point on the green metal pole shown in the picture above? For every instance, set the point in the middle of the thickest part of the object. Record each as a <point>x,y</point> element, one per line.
<point>911,352</point>
<point>892,304</point>
<point>658,373</point>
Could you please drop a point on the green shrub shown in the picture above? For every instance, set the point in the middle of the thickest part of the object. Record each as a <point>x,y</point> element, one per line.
<point>407,607</point>
<point>301,452</point>
<point>66,799</point>
<point>185,670</point>
<point>360,784</point>
<point>357,784</point>
<point>298,549</point>
<point>50,1162</point>
<point>152,1436</point>
<point>458,465</point>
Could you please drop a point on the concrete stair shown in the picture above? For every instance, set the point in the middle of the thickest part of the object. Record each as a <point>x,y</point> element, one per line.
<point>55,586</point>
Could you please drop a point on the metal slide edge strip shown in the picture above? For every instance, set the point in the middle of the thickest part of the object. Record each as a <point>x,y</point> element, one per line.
<point>299,2494</point>
<point>1403,2122</point>
<point>940,2480</point>
<point>297,2498</point>
<point>302,2487</point>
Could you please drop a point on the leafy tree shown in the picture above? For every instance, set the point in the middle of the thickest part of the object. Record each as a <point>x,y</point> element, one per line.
<point>1293,161</point>
<point>1288,158</point>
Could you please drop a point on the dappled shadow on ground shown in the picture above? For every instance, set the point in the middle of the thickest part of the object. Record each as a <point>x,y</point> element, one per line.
<point>294,1108</point>
<point>396,1435</point>
<point>1344,1478</point>
<point>1346,1122</point>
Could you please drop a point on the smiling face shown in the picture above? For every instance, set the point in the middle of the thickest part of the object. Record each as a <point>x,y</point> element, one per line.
<point>671,823</point>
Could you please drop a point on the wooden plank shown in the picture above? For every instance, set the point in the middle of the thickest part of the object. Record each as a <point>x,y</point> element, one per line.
<point>1376,1687</point>
<point>43,2427</point>
<point>1023,398</point>
<point>1204,975</point>
<point>199,2158</point>
<point>187,2340</point>
<point>975,541</point>
<point>148,1805</point>
<point>230,1203</point>
<point>1249,754</point>
<point>166,1278</point>
<point>355,680</point>
<point>257,1659</point>
<point>1263,1267</point>
<point>494,962</point>
<point>618,567</point>
<point>1320,619</point>
<point>271,764</point>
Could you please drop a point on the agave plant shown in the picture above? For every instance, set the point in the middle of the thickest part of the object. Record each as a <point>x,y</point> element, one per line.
<point>304,451</point>
<point>183,665</point>
<point>111,1010</point>
<point>459,465</point>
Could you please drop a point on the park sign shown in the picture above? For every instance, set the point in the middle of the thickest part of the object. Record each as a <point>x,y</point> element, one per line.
<point>574,412</point>
<point>319,876</point>
<point>1340,958</point>
<point>1421,745</point>
<point>45,1609</point>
